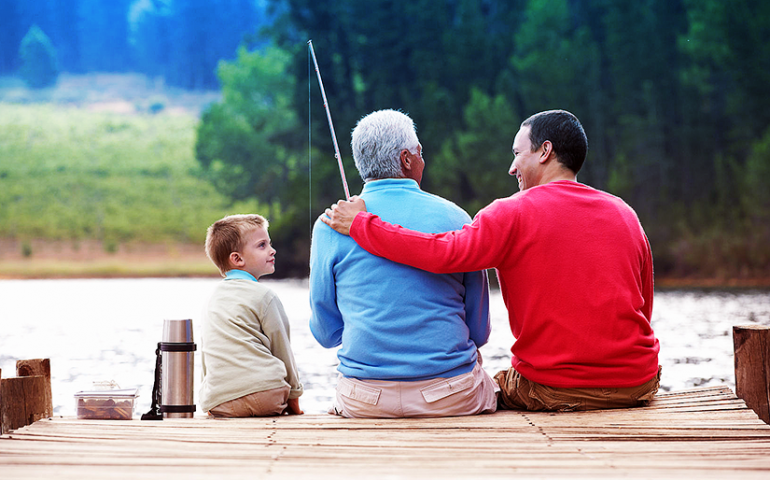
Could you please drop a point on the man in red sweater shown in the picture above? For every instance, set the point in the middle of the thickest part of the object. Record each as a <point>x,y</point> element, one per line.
<point>575,271</point>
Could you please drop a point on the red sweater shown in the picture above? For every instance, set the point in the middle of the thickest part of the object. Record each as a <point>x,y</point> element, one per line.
<point>575,271</point>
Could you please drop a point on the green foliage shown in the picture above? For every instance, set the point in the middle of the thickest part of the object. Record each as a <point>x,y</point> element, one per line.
<point>558,65</point>
<point>485,142</point>
<point>730,59</point>
<point>250,145</point>
<point>39,67</point>
<point>246,143</point>
<point>621,181</point>
<point>757,179</point>
<point>421,56</point>
<point>69,174</point>
<point>672,94</point>
<point>552,53</point>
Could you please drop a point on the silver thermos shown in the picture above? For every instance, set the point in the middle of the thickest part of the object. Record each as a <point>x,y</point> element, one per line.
<point>177,352</point>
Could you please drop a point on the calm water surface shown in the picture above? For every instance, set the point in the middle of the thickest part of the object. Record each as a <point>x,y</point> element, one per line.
<point>101,330</point>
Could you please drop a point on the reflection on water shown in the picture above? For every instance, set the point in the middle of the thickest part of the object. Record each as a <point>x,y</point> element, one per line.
<point>94,330</point>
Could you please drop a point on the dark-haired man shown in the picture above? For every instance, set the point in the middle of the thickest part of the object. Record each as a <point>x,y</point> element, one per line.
<point>575,271</point>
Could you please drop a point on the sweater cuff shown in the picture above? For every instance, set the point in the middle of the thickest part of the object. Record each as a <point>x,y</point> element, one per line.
<point>359,220</point>
<point>296,393</point>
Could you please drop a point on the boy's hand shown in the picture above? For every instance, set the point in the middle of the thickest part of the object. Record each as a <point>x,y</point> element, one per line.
<point>293,407</point>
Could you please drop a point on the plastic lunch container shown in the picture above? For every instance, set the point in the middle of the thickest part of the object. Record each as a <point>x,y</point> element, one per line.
<point>106,404</point>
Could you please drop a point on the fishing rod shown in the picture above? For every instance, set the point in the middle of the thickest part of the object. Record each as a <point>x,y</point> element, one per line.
<point>329,117</point>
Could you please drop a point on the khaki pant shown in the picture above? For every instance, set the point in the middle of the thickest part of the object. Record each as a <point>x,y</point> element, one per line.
<point>518,393</point>
<point>257,404</point>
<point>467,394</point>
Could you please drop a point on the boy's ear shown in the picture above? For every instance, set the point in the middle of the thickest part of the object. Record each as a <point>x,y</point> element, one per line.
<point>236,260</point>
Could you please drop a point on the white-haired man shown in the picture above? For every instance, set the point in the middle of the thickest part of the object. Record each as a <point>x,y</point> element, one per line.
<point>409,337</point>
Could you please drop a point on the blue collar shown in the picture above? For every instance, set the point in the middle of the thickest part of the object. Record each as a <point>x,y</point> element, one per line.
<point>239,275</point>
<point>390,182</point>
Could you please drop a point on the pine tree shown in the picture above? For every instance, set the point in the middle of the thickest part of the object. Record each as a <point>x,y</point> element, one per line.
<point>39,67</point>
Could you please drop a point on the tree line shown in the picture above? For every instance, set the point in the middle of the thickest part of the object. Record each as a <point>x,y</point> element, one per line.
<point>179,40</point>
<point>672,94</point>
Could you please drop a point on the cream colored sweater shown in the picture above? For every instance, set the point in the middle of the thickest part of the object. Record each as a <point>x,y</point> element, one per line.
<point>245,344</point>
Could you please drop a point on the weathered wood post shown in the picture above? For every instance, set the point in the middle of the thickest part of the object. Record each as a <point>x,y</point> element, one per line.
<point>27,398</point>
<point>2,424</point>
<point>752,367</point>
<point>42,367</point>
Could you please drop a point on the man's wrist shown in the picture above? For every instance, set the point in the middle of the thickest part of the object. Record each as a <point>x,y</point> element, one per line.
<point>360,217</point>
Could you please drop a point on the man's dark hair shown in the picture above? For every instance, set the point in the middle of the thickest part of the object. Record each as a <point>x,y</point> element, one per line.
<point>565,132</point>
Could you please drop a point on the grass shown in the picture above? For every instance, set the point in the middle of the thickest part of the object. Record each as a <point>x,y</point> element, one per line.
<point>74,174</point>
<point>68,173</point>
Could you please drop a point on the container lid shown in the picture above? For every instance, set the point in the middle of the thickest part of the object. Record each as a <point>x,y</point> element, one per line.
<point>123,393</point>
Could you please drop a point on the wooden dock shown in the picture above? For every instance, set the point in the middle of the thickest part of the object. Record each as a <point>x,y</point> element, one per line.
<point>699,433</point>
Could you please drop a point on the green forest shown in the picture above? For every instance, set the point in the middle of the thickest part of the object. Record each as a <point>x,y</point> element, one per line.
<point>672,94</point>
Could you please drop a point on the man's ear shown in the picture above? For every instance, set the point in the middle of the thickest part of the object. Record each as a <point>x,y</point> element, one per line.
<point>236,259</point>
<point>406,164</point>
<point>547,151</point>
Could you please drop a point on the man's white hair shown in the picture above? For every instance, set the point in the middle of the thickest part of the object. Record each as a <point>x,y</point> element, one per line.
<point>378,140</point>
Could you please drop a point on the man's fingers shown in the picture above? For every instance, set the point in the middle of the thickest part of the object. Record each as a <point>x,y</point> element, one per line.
<point>339,216</point>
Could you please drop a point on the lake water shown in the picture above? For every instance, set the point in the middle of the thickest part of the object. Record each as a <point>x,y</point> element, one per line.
<point>101,330</point>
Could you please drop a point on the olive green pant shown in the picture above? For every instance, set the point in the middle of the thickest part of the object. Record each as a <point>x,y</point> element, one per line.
<point>518,393</point>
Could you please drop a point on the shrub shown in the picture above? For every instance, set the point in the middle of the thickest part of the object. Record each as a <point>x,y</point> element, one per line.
<point>156,105</point>
<point>26,249</point>
<point>38,59</point>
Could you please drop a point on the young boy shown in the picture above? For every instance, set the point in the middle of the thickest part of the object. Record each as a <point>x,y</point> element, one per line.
<point>248,366</point>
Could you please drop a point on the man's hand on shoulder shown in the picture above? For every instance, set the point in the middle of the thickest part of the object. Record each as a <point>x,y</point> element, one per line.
<point>340,215</point>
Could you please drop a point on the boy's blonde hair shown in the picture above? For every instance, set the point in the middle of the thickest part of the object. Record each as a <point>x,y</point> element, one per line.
<point>226,236</point>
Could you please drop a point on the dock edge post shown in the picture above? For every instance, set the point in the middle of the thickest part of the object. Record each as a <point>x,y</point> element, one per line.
<point>42,367</point>
<point>2,424</point>
<point>751,345</point>
<point>26,398</point>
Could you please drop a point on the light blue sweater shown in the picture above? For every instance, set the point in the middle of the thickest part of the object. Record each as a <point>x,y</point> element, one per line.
<point>396,322</point>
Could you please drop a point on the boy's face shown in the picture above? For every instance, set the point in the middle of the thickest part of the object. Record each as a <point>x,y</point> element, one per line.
<point>257,256</point>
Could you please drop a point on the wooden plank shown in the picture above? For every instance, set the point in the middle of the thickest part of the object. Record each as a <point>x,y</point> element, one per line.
<point>752,367</point>
<point>569,456</point>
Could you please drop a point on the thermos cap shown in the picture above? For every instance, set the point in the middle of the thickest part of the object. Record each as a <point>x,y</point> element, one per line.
<point>177,331</point>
